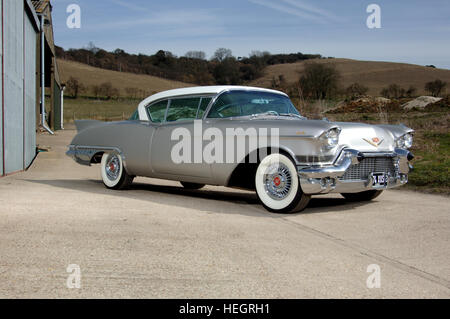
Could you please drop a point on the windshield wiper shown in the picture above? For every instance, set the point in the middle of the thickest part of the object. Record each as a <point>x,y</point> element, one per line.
<point>274,113</point>
<point>293,115</point>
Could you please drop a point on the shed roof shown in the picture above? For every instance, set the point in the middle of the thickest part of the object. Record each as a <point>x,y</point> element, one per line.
<point>31,11</point>
<point>40,5</point>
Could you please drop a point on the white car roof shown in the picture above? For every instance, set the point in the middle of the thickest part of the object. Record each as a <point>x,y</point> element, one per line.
<point>196,90</point>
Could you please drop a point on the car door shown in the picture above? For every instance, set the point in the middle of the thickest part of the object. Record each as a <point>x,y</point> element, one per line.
<point>180,117</point>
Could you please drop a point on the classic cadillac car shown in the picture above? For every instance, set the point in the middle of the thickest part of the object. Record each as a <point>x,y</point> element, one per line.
<point>308,157</point>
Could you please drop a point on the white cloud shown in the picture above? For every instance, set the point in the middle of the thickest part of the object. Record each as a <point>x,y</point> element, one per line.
<point>167,19</point>
<point>128,5</point>
<point>308,7</point>
<point>298,9</point>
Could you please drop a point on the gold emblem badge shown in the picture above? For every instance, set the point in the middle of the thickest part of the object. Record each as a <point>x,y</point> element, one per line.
<point>375,141</point>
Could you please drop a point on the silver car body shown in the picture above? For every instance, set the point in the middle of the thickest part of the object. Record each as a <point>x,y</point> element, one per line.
<point>145,147</point>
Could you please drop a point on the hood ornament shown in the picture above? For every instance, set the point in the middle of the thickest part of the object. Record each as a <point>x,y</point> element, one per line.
<point>375,141</point>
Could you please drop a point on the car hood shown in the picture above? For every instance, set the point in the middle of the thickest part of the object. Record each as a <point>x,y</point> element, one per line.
<point>370,138</point>
<point>361,136</point>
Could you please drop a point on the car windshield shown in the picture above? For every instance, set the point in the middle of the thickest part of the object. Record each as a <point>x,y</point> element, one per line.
<point>244,103</point>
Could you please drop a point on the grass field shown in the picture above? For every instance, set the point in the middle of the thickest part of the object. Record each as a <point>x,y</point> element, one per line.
<point>89,76</point>
<point>90,108</point>
<point>374,75</point>
<point>431,145</point>
<point>432,167</point>
<point>85,106</point>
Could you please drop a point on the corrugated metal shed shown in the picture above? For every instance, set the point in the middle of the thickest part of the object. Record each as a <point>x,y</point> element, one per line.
<point>13,84</point>
<point>19,31</point>
<point>30,94</point>
<point>1,96</point>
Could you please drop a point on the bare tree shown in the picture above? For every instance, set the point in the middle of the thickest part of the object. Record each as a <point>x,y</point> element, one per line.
<point>411,91</point>
<point>107,90</point>
<point>256,53</point>
<point>196,55</point>
<point>356,90</point>
<point>73,87</point>
<point>393,91</point>
<point>115,93</point>
<point>222,54</point>
<point>96,90</point>
<point>91,47</point>
<point>131,92</point>
<point>259,54</point>
<point>436,87</point>
<point>319,81</point>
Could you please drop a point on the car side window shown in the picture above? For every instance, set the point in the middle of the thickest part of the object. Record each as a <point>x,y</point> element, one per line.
<point>157,111</point>
<point>202,107</point>
<point>183,109</point>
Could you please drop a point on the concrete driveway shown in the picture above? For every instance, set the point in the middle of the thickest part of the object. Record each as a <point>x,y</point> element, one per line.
<point>158,240</point>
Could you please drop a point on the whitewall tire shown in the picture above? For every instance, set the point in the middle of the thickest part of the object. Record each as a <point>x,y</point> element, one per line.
<point>113,172</point>
<point>277,185</point>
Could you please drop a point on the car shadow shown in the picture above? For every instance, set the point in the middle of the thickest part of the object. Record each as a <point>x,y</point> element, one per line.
<point>245,203</point>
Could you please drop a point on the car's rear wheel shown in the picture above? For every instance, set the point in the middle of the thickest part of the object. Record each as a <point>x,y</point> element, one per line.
<point>362,196</point>
<point>277,185</point>
<point>188,185</point>
<point>113,172</point>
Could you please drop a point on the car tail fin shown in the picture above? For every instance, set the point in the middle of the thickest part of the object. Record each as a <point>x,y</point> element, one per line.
<point>84,124</point>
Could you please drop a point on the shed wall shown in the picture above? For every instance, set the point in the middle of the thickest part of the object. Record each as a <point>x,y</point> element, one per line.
<point>56,118</point>
<point>13,77</point>
<point>30,91</point>
<point>1,88</point>
<point>18,94</point>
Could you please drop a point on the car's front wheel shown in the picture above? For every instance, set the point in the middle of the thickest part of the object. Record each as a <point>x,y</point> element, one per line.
<point>277,185</point>
<point>113,172</point>
<point>362,196</point>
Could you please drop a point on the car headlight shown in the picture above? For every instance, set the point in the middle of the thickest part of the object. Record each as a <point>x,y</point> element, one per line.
<point>331,137</point>
<point>405,141</point>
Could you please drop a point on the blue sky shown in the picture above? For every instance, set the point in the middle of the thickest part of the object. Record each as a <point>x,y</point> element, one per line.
<point>411,31</point>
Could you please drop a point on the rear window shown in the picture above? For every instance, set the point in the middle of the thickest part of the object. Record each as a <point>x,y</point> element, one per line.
<point>183,109</point>
<point>134,116</point>
<point>157,111</point>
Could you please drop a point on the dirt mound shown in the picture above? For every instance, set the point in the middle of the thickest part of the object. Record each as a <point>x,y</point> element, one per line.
<point>366,104</point>
<point>421,102</point>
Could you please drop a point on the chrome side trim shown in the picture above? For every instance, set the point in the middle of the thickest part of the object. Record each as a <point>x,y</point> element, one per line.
<point>83,154</point>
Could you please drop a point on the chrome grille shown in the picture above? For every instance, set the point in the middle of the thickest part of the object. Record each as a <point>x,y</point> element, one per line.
<point>368,165</point>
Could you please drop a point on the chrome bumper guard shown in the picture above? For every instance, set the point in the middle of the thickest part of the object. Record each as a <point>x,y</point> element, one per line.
<point>327,179</point>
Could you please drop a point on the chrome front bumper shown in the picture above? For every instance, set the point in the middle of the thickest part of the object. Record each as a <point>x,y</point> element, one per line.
<point>328,179</point>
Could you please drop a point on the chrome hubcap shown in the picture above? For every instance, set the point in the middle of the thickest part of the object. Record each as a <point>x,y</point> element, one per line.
<point>112,167</point>
<point>277,181</point>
